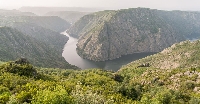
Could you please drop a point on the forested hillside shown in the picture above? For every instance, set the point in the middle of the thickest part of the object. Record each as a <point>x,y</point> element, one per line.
<point>171,76</point>
<point>34,37</point>
<point>46,29</point>
<point>133,84</point>
<point>14,44</point>
<point>52,38</point>
<point>180,55</point>
<point>49,22</point>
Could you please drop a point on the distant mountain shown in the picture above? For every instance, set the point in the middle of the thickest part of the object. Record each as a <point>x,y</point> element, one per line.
<point>44,10</point>
<point>49,22</point>
<point>15,13</point>
<point>14,45</point>
<point>46,29</point>
<point>43,29</point>
<point>54,39</point>
<point>107,35</point>
<point>69,16</point>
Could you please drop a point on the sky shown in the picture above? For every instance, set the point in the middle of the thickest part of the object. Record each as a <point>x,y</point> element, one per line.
<point>113,4</point>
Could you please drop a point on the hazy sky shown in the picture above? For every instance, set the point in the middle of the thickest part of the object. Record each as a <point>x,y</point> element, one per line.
<point>156,4</point>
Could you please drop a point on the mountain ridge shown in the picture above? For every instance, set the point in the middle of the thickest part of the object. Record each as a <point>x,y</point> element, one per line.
<point>107,35</point>
<point>15,44</point>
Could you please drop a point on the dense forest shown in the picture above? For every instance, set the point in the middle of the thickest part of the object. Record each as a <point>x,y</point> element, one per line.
<point>133,83</point>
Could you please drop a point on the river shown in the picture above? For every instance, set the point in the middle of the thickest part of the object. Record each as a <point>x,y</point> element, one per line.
<point>70,55</point>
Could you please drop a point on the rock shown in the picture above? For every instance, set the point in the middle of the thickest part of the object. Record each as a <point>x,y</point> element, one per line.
<point>108,35</point>
<point>144,65</point>
<point>197,89</point>
<point>187,73</point>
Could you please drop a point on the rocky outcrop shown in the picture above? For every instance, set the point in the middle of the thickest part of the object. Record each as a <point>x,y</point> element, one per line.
<point>107,35</point>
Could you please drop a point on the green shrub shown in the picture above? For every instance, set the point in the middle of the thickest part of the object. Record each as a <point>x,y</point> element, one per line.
<point>24,69</point>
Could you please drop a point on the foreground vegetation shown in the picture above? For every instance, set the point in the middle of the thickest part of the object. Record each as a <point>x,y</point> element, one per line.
<point>20,82</point>
<point>140,82</point>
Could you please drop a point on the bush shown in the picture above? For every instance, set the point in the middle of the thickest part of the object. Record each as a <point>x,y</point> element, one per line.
<point>16,67</point>
<point>58,95</point>
<point>4,95</point>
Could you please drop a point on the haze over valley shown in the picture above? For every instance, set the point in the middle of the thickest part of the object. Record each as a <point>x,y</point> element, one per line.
<point>99,52</point>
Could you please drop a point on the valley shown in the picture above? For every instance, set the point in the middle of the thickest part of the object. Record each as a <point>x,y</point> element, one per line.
<point>73,58</point>
<point>88,56</point>
<point>36,38</point>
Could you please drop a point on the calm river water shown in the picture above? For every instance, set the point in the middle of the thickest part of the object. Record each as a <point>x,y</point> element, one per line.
<point>73,58</point>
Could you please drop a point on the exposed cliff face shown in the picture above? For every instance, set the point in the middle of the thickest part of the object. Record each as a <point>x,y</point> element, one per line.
<point>107,35</point>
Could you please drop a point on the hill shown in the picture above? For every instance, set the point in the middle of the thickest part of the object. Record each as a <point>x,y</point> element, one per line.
<point>51,38</point>
<point>14,44</point>
<point>107,35</point>
<point>15,13</point>
<point>180,55</point>
<point>53,23</point>
<point>132,84</point>
<point>44,10</point>
<point>46,29</point>
<point>173,75</point>
<point>69,16</point>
